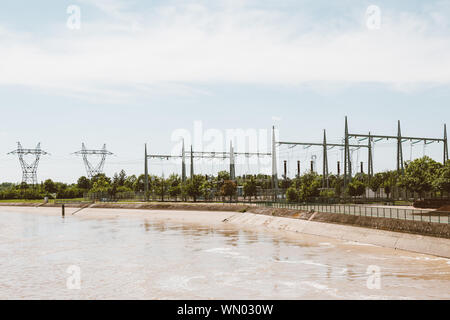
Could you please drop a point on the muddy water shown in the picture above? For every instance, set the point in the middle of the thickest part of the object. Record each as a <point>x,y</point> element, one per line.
<point>141,258</point>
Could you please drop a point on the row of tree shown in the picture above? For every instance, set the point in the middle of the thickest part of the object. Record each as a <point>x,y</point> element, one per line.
<point>420,177</point>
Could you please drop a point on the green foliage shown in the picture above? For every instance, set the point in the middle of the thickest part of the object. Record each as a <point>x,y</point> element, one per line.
<point>50,186</point>
<point>229,189</point>
<point>292,194</point>
<point>208,189</point>
<point>442,182</point>
<point>328,193</point>
<point>356,188</point>
<point>174,185</point>
<point>250,188</point>
<point>84,183</point>
<point>420,175</point>
<point>376,182</point>
<point>310,186</point>
<point>194,186</point>
<point>102,184</point>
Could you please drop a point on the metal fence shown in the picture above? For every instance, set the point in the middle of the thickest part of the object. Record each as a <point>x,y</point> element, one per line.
<point>367,211</point>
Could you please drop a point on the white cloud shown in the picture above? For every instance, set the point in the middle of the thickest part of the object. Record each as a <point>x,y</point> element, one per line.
<point>191,46</point>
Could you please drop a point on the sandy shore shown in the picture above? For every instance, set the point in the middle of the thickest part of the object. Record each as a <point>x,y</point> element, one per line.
<point>286,226</point>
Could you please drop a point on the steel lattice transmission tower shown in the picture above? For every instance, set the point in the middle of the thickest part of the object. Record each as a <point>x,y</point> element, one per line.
<point>29,170</point>
<point>92,170</point>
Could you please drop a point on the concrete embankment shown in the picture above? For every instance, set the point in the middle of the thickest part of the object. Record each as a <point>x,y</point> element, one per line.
<point>396,240</point>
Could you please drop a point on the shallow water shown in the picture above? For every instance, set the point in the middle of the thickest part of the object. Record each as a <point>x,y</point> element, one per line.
<point>140,258</point>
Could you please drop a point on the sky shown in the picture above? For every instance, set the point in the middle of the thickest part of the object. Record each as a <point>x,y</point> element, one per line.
<point>126,73</point>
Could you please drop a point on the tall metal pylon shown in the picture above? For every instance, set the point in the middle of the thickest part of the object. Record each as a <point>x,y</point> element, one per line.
<point>92,170</point>
<point>274,164</point>
<point>29,170</point>
<point>325,181</point>
<point>192,163</point>
<point>146,174</point>
<point>183,164</point>
<point>400,166</point>
<point>445,145</point>
<point>370,143</point>
<point>347,157</point>
<point>232,164</point>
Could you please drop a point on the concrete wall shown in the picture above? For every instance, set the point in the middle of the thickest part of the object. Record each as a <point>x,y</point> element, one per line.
<point>402,241</point>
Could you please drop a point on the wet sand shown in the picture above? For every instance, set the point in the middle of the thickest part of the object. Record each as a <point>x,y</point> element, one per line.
<point>140,254</point>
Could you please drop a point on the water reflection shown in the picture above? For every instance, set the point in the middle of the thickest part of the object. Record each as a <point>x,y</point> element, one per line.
<point>141,258</point>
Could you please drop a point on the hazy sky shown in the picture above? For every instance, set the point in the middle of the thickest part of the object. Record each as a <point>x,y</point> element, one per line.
<point>141,71</point>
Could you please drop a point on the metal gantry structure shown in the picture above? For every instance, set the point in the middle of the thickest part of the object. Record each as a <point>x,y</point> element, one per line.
<point>29,170</point>
<point>371,138</point>
<point>348,146</point>
<point>231,155</point>
<point>325,147</point>
<point>93,170</point>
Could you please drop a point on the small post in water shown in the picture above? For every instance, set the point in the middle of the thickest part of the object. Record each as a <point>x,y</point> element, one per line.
<point>62,210</point>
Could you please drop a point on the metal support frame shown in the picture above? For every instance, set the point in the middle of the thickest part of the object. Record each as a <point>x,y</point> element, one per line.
<point>207,155</point>
<point>399,138</point>
<point>92,170</point>
<point>325,147</point>
<point>29,170</point>
<point>274,164</point>
<point>445,145</point>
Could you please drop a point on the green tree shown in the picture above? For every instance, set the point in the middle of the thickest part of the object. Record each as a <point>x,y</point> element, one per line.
<point>194,186</point>
<point>250,188</point>
<point>420,175</point>
<point>356,188</point>
<point>101,185</point>
<point>161,187</point>
<point>228,189</point>
<point>222,176</point>
<point>130,181</point>
<point>174,185</point>
<point>84,183</point>
<point>208,189</point>
<point>310,186</point>
<point>292,194</point>
<point>376,182</point>
<point>442,183</point>
<point>49,186</point>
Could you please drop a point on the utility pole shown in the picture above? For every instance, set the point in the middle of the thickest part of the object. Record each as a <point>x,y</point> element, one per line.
<point>347,157</point>
<point>183,164</point>
<point>445,145</point>
<point>146,175</point>
<point>298,169</point>
<point>274,165</point>
<point>325,161</point>
<point>232,164</point>
<point>285,170</point>
<point>92,170</point>
<point>29,171</point>
<point>192,164</point>
<point>400,167</point>
<point>370,158</point>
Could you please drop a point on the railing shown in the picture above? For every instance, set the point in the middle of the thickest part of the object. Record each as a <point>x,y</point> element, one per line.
<point>69,201</point>
<point>366,211</point>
